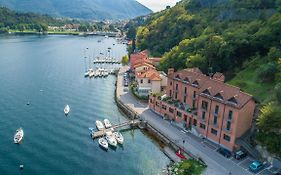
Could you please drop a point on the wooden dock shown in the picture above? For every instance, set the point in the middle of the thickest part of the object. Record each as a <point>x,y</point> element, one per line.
<point>102,133</point>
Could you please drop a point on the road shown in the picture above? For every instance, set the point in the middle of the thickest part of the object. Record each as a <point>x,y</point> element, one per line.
<point>217,164</point>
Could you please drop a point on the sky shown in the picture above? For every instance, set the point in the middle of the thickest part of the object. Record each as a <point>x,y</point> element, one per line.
<point>158,5</point>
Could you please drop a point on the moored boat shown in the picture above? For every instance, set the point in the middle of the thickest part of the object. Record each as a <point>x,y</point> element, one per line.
<point>103,143</point>
<point>87,73</point>
<point>91,73</point>
<point>66,109</point>
<point>19,135</point>
<point>111,139</point>
<point>99,125</point>
<point>118,136</point>
<point>107,123</point>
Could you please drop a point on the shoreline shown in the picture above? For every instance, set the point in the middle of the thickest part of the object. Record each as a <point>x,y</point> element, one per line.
<point>150,131</point>
<point>54,33</point>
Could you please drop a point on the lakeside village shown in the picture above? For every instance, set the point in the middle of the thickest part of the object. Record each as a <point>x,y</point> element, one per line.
<point>201,105</point>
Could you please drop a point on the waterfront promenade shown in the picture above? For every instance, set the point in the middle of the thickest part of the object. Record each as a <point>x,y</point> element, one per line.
<point>217,164</point>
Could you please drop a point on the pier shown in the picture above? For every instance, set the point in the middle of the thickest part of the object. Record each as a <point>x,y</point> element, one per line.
<point>108,61</point>
<point>102,133</point>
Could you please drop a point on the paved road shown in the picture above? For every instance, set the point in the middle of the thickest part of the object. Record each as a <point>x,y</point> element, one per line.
<point>217,164</point>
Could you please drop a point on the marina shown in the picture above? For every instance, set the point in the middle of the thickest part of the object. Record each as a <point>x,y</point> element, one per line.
<point>102,132</point>
<point>50,77</point>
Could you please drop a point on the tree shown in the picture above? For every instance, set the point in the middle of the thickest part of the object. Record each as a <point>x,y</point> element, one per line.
<point>125,60</point>
<point>277,90</point>
<point>270,118</point>
<point>267,72</point>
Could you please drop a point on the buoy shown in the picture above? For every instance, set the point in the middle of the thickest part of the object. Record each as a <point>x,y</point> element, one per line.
<point>21,167</point>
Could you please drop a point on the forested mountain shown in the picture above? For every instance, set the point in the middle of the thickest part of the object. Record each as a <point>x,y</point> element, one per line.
<point>240,38</point>
<point>26,21</point>
<point>12,21</point>
<point>82,9</point>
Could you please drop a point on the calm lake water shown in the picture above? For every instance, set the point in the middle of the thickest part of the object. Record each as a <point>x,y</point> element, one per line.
<point>48,72</point>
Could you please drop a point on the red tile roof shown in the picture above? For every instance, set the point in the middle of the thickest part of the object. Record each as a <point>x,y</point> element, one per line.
<point>143,64</point>
<point>152,75</point>
<point>212,88</point>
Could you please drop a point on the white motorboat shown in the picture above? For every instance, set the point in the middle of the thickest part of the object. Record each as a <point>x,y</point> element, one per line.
<point>103,143</point>
<point>87,73</point>
<point>91,74</point>
<point>99,125</point>
<point>18,136</point>
<point>107,123</point>
<point>66,110</point>
<point>111,139</point>
<point>105,73</point>
<point>118,136</point>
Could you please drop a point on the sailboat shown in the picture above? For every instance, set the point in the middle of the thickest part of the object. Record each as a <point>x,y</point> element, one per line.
<point>87,71</point>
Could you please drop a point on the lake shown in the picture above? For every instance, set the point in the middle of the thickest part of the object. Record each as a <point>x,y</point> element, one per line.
<point>48,72</point>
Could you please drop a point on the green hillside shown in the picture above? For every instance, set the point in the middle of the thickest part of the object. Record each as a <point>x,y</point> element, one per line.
<point>81,9</point>
<point>239,38</point>
<point>25,21</point>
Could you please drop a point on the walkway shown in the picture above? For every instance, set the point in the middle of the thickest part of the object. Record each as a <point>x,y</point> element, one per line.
<point>217,164</point>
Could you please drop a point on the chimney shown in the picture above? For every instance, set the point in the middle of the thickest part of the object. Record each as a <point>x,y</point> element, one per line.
<point>171,71</point>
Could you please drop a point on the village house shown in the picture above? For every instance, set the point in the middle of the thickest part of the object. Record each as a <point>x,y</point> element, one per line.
<point>151,81</point>
<point>206,105</point>
<point>143,57</point>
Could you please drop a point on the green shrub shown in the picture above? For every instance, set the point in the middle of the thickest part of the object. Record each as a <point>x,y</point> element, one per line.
<point>267,72</point>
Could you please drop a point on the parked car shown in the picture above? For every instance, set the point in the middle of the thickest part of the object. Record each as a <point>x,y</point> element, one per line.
<point>240,154</point>
<point>126,84</point>
<point>224,152</point>
<point>255,166</point>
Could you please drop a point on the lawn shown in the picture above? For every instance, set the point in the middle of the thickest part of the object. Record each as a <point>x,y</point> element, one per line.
<point>188,167</point>
<point>248,81</point>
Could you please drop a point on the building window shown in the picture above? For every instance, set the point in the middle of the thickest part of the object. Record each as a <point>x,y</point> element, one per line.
<point>226,137</point>
<point>193,103</point>
<point>228,125</point>
<point>194,94</point>
<point>195,122</point>
<point>202,126</point>
<point>177,87</point>
<point>151,101</point>
<point>171,110</point>
<point>203,115</point>
<point>230,115</point>
<point>185,91</point>
<point>213,131</point>
<point>215,120</point>
<point>217,109</point>
<point>164,107</point>
<point>170,93</point>
<point>148,81</point>
<point>185,117</point>
<point>204,105</point>
<point>141,81</point>
<point>178,113</point>
<point>171,83</point>
<point>184,99</point>
<point>157,104</point>
<point>176,95</point>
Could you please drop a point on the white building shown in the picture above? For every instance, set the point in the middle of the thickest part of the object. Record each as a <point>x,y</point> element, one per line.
<point>151,81</point>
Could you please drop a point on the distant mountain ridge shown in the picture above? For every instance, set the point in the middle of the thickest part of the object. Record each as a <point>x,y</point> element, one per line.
<point>82,9</point>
